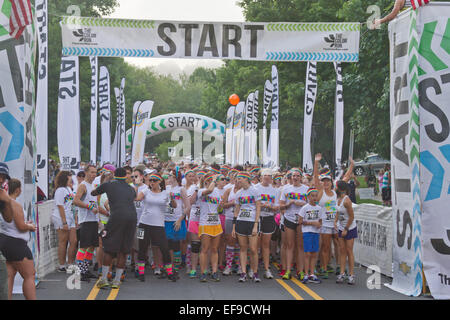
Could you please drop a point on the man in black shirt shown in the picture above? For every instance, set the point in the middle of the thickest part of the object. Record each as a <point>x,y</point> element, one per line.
<point>119,232</point>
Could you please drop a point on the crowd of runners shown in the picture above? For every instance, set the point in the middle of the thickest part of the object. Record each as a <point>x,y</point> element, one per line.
<point>208,221</point>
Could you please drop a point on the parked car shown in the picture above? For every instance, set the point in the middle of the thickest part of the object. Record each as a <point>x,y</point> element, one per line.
<point>374,160</point>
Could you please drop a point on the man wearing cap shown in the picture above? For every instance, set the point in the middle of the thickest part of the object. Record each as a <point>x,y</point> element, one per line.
<point>7,214</point>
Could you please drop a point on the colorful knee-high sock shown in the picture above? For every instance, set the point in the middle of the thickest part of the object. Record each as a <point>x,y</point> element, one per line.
<point>229,256</point>
<point>176,260</point>
<point>169,268</point>
<point>188,257</point>
<point>236,255</point>
<point>140,267</point>
<point>80,260</point>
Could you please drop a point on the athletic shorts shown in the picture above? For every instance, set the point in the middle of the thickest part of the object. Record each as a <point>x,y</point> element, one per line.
<point>193,227</point>
<point>118,237</point>
<point>14,249</point>
<point>290,224</point>
<point>276,236</point>
<point>386,194</point>
<point>268,225</point>
<point>245,228</point>
<point>311,242</point>
<point>212,231</point>
<point>57,222</point>
<point>88,234</point>
<point>327,230</point>
<point>228,226</point>
<point>351,234</point>
<point>175,235</point>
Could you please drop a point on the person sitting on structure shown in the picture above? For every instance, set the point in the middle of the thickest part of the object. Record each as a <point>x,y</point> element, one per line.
<point>398,6</point>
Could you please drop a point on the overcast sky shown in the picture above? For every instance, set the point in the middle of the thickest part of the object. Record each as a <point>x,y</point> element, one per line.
<point>181,10</point>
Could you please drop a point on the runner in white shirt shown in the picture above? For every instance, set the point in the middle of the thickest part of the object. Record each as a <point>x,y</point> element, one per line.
<point>246,224</point>
<point>194,218</point>
<point>269,206</point>
<point>138,182</point>
<point>292,198</point>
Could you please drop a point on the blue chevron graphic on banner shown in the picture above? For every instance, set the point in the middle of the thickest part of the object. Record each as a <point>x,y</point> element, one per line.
<point>222,129</point>
<point>417,227</point>
<point>417,263</point>
<point>16,129</point>
<point>415,172</point>
<point>416,208</point>
<point>433,165</point>
<point>418,283</point>
<point>214,126</point>
<point>205,124</point>
<point>312,56</point>
<point>445,150</point>
<point>416,190</point>
<point>416,244</point>
<point>107,52</point>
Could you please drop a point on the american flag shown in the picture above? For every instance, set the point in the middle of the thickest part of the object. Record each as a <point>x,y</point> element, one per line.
<point>418,3</point>
<point>20,17</point>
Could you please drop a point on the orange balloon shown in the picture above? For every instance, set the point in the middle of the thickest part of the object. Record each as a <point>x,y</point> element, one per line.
<point>234,99</point>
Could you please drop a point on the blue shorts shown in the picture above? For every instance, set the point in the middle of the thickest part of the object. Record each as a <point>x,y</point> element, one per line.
<point>351,234</point>
<point>311,242</point>
<point>175,235</point>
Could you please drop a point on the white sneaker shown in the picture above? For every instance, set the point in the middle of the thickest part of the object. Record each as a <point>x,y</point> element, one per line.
<point>157,271</point>
<point>227,271</point>
<point>251,274</point>
<point>268,274</point>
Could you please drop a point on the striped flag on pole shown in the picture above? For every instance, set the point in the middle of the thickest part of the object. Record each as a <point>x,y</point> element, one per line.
<point>418,3</point>
<point>20,17</point>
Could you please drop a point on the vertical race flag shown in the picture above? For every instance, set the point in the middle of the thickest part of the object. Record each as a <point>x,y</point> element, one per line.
<point>20,17</point>
<point>248,126</point>
<point>94,111</point>
<point>69,115</point>
<point>310,101</point>
<point>273,153</point>
<point>115,156</point>
<point>238,148</point>
<point>42,97</point>
<point>254,131</point>
<point>339,115</point>
<point>122,123</point>
<point>133,122</point>
<point>268,91</point>
<point>229,135</point>
<point>105,114</point>
<point>140,123</point>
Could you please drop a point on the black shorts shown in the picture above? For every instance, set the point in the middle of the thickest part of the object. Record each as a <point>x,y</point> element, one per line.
<point>268,225</point>
<point>245,228</point>
<point>118,236</point>
<point>14,249</point>
<point>88,234</point>
<point>290,225</point>
<point>276,236</point>
<point>386,194</point>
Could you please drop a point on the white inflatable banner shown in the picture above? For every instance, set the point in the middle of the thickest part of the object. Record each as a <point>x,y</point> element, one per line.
<point>339,115</point>
<point>105,114</point>
<point>280,41</point>
<point>310,101</point>
<point>248,126</point>
<point>273,148</point>
<point>254,130</point>
<point>140,125</point>
<point>229,135</point>
<point>268,92</point>
<point>94,111</point>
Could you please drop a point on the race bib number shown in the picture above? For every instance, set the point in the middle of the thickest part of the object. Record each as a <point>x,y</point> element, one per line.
<point>140,233</point>
<point>138,204</point>
<point>244,213</point>
<point>170,210</point>
<point>213,218</point>
<point>197,212</point>
<point>341,216</point>
<point>331,216</point>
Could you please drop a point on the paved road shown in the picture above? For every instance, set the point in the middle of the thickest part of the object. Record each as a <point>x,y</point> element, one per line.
<point>54,287</point>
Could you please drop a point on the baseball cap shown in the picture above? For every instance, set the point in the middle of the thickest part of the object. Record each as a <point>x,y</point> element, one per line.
<point>148,171</point>
<point>4,170</point>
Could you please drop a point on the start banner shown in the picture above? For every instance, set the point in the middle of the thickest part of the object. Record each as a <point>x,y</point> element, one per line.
<point>278,41</point>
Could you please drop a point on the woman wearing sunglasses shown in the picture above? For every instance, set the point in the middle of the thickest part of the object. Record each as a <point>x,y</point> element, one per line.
<point>151,224</point>
<point>210,227</point>
<point>174,219</point>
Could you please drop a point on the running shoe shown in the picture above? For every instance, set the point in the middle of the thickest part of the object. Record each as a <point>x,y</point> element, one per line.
<point>305,279</point>
<point>300,275</point>
<point>351,280</point>
<point>115,285</point>
<point>287,275</point>
<point>227,271</point>
<point>101,284</point>
<point>330,268</point>
<point>157,272</point>
<point>193,274</point>
<point>203,277</point>
<point>62,269</point>
<point>243,277</point>
<point>338,271</point>
<point>313,279</point>
<point>141,278</point>
<point>340,278</point>
<point>282,273</point>
<point>172,277</point>
<point>320,272</point>
<point>215,277</point>
<point>221,268</point>
<point>268,274</point>
<point>239,271</point>
<point>325,275</point>
<point>250,274</point>
<point>235,269</point>
<point>256,277</point>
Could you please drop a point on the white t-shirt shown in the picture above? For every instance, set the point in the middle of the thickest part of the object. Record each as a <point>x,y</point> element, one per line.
<point>208,207</point>
<point>311,213</point>
<point>293,193</point>
<point>246,199</point>
<point>140,204</point>
<point>64,197</point>
<point>229,212</point>
<point>269,195</point>
<point>173,214</point>
<point>194,215</point>
<point>155,205</point>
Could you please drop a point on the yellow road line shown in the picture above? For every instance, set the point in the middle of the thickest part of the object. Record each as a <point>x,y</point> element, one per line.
<point>94,292</point>
<point>289,289</point>
<point>308,290</point>
<point>113,294</point>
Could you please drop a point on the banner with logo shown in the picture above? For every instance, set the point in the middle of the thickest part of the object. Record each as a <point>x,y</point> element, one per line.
<point>69,115</point>
<point>268,91</point>
<point>104,104</point>
<point>273,148</point>
<point>310,101</point>
<point>339,115</point>
<point>94,111</point>
<point>434,113</point>
<point>140,125</point>
<point>248,126</point>
<point>280,41</point>
<point>42,97</point>
<point>254,130</point>
<point>406,211</point>
<point>229,135</point>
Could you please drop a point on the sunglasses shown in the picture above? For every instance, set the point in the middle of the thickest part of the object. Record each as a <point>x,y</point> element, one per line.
<point>154,180</point>
<point>134,177</point>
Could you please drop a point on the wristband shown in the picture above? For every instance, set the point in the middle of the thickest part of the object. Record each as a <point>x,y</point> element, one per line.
<point>91,206</point>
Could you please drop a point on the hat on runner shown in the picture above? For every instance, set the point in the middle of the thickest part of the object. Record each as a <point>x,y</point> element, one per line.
<point>148,171</point>
<point>4,170</point>
<point>109,168</point>
<point>266,172</point>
